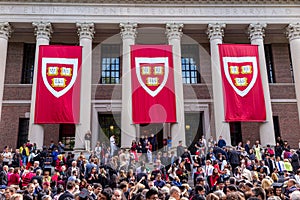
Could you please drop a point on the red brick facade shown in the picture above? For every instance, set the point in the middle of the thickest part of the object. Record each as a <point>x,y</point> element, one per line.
<point>17,97</point>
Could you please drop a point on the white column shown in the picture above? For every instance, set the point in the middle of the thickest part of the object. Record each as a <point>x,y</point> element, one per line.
<point>128,130</point>
<point>215,34</point>
<point>174,33</point>
<point>293,34</point>
<point>43,32</point>
<point>86,34</point>
<point>266,129</point>
<point>5,31</point>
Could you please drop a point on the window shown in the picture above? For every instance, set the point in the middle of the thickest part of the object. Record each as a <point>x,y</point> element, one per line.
<point>291,65</point>
<point>23,131</point>
<point>190,64</point>
<point>110,64</point>
<point>269,63</point>
<point>28,63</point>
<point>67,135</point>
<point>276,126</point>
<point>235,133</point>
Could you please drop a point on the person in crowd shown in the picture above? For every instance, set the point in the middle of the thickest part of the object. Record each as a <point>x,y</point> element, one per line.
<point>9,192</point>
<point>226,173</point>
<point>3,176</point>
<point>221,142</point>
<point>61,147</point>
<point>15,177</point>
<point>7,156</point>
<point>17,159</point>
<point>68,194</point>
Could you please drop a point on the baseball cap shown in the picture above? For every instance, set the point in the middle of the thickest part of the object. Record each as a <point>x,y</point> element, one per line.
<point>83,193</point>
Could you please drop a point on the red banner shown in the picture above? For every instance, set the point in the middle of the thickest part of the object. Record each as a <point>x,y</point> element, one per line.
<point>242,86</point>
<point>58,85</point>
<point>152,78</point>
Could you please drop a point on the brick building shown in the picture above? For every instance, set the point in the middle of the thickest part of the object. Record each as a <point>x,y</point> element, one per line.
<point>107,28</point>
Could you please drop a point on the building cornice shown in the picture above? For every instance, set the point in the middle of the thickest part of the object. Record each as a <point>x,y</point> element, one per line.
<point>157,13</point>
<point>254,2</point>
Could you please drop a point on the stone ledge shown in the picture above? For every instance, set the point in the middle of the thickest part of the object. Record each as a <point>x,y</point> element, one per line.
<point>265,2</point>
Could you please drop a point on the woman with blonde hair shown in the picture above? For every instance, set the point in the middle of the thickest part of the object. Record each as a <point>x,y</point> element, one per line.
<point>212,196</point>
<point>266,183</point>
<point>16,197</point>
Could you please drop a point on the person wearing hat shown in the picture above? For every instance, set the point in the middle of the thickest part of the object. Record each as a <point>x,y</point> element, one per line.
<point>84,194</point>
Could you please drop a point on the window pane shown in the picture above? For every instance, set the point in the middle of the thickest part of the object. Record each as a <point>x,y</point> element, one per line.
<point>28,63</point>
<point>193,80</point>
<point>110,63</point>
<point>193,74</point>
<point>189,59</point>
<point>269,63</point>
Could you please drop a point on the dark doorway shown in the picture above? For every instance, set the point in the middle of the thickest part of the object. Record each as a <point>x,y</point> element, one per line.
<point>276,126</point>
<point>193,129</point>
<point>67,135</point>
<point>23,131</point>
<point>110,124</point>
<point>146,130</point>
<point>235,133</point>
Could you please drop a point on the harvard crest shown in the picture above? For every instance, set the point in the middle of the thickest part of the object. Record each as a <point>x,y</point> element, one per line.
<point>59,74</point>
<point>241,73</point>
<point>152,73</point>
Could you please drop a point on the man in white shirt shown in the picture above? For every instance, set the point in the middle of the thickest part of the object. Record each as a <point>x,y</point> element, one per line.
<point>7,156</point>
<point>112,145</point>
<point>209,169</point>
<point>279,165</point>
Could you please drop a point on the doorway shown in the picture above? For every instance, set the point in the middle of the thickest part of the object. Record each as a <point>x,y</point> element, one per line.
<point>146,130</point>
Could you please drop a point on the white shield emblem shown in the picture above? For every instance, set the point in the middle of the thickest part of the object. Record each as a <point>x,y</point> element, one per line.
<point>156,71</point>
<point>59,74</point>
<point>241,73</point>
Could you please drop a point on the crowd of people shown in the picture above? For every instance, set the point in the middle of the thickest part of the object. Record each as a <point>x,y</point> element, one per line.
<point>208,169</point>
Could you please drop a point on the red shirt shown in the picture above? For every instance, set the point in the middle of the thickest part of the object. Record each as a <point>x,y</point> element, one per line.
<point>14,179</point>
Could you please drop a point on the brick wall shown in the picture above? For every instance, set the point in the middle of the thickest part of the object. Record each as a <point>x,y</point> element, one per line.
<point>14,62</point>
<point>250,131</point>
<point>51,132</point>
<point>288,122</point>
<point>106,91</point>
<point>280,91</point>
<point>9,124</point>
<point>287,112</point>
<point>282,62</point>
<point>17,92</point>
